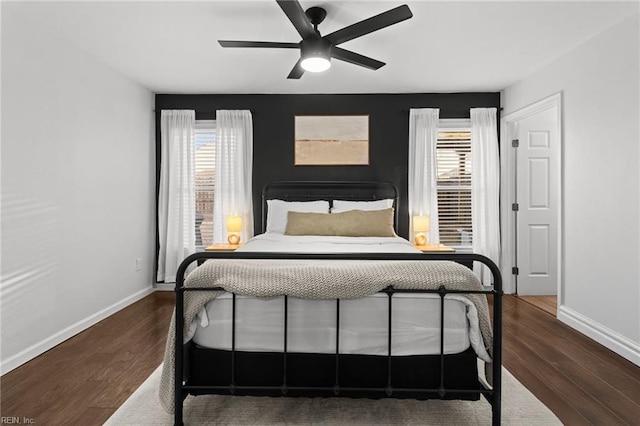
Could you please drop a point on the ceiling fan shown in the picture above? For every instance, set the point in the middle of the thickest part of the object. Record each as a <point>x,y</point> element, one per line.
<point>316,51</point>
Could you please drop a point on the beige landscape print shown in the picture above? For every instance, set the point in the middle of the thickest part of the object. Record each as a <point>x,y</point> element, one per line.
<point>331,140</point>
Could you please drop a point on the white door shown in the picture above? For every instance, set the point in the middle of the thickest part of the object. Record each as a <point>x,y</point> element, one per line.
<point>537,197</point>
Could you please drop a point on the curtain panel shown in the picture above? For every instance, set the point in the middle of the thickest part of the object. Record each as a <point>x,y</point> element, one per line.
<point>233,175</point>
<point>423,168</point>
<point>176,198</point>
<point>485,187</point>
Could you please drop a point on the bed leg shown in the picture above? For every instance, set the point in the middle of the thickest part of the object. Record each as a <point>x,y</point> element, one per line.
<point>177,421</point>
<point>495,412</point>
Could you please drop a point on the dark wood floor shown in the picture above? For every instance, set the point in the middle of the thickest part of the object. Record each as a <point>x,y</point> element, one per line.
<point>546,303</point>
<point>85,379</point>
<point>577,378</point>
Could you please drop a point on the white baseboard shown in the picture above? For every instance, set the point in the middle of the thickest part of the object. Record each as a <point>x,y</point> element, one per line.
<point>621,345</point>
<point>39,348</point>
<point>165,287</point>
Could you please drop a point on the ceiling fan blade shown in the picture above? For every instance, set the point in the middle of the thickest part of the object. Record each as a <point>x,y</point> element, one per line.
<point>296,15</point>
<point>272,44</point>
<point>297,70</point>
<point>355,58</point>
<point>370,25</point>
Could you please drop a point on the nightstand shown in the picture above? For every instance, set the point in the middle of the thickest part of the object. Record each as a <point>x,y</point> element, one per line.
<point>435,248</point>
<point>224,247</point>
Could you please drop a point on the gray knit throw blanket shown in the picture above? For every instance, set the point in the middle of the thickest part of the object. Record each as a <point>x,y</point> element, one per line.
<point>316,279</point>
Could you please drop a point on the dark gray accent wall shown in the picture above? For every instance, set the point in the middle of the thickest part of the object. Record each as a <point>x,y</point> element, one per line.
<point>273,132</point>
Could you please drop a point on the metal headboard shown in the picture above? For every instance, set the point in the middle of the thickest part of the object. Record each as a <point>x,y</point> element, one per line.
<point>329,190</point>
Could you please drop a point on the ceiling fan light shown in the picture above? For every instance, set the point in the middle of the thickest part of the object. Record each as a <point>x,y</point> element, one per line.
<point>315,64</point>
<point>315,54</point>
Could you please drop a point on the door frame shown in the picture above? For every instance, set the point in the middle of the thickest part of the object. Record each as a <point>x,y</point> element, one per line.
<point>508,189</point>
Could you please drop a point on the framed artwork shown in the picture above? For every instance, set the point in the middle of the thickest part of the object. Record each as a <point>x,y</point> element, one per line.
<point>331,140</point>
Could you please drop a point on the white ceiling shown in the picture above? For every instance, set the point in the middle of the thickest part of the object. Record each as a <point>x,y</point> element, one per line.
<point>170,47</point>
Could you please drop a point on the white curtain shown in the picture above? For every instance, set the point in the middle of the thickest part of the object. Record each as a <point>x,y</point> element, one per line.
<point>485,187</point>
<point>423,176</point>
<point>176,201</point>
<point>234,164</point>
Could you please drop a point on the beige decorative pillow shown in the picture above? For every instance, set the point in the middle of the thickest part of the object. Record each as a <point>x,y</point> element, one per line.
<point>353,223</point>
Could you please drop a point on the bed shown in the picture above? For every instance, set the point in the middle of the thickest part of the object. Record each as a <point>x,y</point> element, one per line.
<point>417,340</point>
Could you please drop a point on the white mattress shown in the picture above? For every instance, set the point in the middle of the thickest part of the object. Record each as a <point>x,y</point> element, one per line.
<point>363,322</point>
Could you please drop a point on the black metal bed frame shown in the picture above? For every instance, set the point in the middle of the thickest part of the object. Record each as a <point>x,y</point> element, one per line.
<point>492,394</point>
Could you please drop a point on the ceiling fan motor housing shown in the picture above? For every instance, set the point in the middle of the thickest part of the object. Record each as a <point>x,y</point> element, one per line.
<point>315,48</point>
<point>315,54</point>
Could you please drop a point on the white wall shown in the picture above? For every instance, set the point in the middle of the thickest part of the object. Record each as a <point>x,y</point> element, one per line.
<point>77,190</point>
<point>601,163</point>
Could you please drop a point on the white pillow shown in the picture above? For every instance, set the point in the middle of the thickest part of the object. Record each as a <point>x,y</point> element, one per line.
<point>340,206</point>
<point>278,210</point>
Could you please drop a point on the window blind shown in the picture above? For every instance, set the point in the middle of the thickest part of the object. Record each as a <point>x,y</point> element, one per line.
<point>205,155</point>
<point>453,152</point>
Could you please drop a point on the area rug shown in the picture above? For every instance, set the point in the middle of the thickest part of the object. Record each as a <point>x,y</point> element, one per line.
<point>520,407</point>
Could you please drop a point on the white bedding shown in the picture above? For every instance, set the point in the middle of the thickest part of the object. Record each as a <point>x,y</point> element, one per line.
<point>363,322</point>
<point>272,241</point>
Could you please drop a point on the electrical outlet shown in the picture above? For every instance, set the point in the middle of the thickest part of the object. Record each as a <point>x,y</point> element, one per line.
<point>138,264</point>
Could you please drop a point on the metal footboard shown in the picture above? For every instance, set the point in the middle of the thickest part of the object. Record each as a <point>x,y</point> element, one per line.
<point>492,395</point>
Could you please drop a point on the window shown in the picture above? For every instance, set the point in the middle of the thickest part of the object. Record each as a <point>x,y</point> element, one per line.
<point>205,156</point>
<point>454,187</point>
